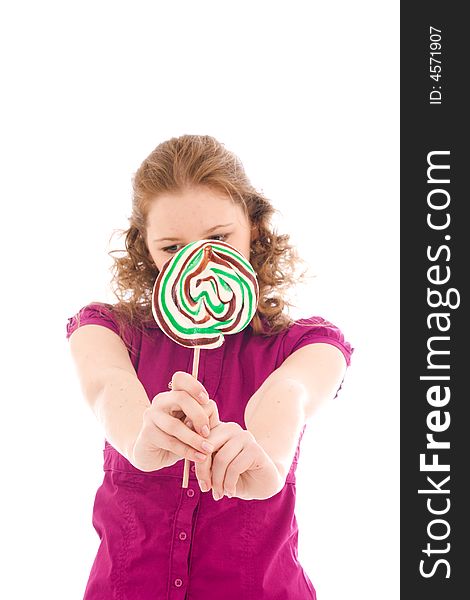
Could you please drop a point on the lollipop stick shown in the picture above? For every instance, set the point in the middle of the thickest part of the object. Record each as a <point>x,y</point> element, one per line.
<point>194,374</point>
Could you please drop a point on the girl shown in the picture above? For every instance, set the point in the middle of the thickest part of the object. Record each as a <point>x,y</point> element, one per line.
<point>232,534</point>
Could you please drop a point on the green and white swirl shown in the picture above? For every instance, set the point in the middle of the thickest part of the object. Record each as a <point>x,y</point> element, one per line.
<point>207,290</point>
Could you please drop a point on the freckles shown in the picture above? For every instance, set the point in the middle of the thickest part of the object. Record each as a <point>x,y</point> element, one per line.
<point>158,258</point>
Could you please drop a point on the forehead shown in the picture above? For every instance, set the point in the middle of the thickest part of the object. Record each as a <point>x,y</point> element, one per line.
<point>200,205</point>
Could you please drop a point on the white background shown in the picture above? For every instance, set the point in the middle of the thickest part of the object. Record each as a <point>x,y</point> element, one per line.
<point>306,94</point>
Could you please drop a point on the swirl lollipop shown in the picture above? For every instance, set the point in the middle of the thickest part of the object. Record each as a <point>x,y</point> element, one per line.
<point>204,292</point>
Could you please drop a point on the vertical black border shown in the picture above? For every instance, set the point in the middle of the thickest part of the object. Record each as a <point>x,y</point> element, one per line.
<point>426,128</point>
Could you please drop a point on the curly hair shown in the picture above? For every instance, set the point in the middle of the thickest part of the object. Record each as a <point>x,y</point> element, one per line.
<point>200,160</point>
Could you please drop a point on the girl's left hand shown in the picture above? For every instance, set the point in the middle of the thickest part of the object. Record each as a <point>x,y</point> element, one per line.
<point>238,466</point>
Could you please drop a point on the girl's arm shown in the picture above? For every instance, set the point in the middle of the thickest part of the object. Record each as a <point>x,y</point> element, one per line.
<point>110,385</point>
<point>147,434</point>
<point>253,463</point>
<point>287,399</point>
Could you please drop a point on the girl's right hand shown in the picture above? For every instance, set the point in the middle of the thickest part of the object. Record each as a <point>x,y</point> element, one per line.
<point>164,438</point>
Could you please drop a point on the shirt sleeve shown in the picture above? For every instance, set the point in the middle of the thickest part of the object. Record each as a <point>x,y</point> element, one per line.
<point>314,330</point>
<point>96,313</point>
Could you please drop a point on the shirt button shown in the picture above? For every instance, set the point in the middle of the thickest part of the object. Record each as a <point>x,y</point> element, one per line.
<point>190,492</point>
<point>178,582</point>
<point>193,468</point>
<point>183,535</point>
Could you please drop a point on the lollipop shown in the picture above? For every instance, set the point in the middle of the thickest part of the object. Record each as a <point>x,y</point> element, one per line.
<point>204,292</point>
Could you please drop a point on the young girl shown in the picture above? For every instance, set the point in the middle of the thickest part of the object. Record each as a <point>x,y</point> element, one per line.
<point>232,533</point>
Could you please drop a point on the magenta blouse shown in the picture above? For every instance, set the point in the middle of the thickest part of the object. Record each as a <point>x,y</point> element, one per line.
<point>159,541</point>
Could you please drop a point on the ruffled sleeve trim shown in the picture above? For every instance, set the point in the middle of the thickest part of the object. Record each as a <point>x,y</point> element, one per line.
<point>95,313</point>
<point>313,330</point>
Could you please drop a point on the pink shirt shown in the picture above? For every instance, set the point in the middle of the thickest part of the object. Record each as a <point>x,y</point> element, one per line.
<point>160,541</point>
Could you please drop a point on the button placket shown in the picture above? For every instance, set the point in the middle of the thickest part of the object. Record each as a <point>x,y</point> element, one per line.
<point>180,551</point>
<point>213,368</point>
<point>210,368</point>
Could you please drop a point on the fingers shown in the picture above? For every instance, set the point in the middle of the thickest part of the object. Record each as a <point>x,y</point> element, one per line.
<point>227,465</point>
<point>213,413</point>
<point>203,473</point>
<point>172,434</point>
<point>179,430</point>
<point>227,441</point>
<point>182,381</point>
<point>202,416</point>
<point>179,404</point>
<point>153,440</point>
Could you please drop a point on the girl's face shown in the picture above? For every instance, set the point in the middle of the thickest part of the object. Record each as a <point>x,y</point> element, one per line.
<point>176,219</point>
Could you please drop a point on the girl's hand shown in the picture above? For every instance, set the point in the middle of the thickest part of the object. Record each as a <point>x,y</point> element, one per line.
<point>164,438</point>
<point>238,466</point>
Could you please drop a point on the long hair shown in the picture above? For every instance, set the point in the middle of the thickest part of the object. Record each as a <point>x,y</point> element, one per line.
<point>200,160</point>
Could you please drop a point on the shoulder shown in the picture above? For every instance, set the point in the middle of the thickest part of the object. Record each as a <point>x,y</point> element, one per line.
<point>96,313</point>
<point>311,330</point>
<point>106,315</point>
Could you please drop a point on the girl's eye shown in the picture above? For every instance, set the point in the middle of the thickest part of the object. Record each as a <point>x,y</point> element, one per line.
<point>171,250</point>
<point>222,236</point>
